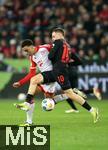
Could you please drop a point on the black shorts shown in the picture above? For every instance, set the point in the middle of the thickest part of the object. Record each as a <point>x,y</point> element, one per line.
<point>48,77</point>
<point>73,76</point>
<point>60,73</point>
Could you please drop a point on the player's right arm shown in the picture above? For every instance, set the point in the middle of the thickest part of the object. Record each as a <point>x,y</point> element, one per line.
<point>28,76</point>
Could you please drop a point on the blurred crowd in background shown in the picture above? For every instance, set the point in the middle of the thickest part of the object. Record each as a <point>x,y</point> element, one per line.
<point>85,23</point>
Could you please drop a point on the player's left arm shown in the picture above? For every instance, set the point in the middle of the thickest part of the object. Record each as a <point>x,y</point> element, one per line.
<point>76,60</point>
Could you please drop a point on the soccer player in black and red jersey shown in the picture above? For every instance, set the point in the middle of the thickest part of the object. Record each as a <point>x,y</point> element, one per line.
<point>59,56</point>
<point>77,98</point>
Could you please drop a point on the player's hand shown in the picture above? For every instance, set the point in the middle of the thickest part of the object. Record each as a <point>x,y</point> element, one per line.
<point>71,61</point>
<point>16,84</point>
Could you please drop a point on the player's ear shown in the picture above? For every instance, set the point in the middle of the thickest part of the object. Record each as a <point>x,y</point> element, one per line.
<point>51,30</point>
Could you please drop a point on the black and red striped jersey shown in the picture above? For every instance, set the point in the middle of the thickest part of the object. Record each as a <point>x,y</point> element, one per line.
<point>59,52</point>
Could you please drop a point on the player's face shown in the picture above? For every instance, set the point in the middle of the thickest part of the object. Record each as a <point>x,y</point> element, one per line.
<point>29,50</point>
<point>57,36</point>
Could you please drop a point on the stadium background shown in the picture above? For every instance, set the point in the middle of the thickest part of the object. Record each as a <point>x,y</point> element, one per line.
<point>86,25</point>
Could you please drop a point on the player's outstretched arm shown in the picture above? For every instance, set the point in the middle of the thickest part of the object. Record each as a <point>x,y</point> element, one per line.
<point>25,79</point>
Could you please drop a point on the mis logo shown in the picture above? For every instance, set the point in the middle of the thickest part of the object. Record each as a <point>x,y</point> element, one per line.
<point>34,137</point>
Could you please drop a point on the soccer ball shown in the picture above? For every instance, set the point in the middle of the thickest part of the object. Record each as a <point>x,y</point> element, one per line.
<point>48,104</point>
<point>21,96</point>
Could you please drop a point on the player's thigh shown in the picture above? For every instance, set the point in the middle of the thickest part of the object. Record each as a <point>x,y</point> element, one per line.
<point>69,93</point>
<point>37,79</point>
<point>62,79</point>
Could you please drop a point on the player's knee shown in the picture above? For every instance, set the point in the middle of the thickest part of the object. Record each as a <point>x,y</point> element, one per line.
<point>33,80</point>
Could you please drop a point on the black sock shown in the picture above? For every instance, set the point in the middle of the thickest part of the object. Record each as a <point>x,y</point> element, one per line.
<point>89,91</point>
<point>70,102</point>
<point>86,106</point>
<point>54,101</point>
<point>29,98</point>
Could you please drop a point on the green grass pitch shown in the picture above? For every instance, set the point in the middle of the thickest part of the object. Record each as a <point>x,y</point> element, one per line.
<point>68,131</point>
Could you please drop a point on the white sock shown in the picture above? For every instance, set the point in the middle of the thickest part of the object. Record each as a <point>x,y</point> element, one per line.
<point>91,109</point>
<point>29,113</point>
<point>59,98</point>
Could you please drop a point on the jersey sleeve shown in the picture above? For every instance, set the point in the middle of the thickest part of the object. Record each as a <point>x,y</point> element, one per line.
<point>55,47</point>
<point>31,73</point>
